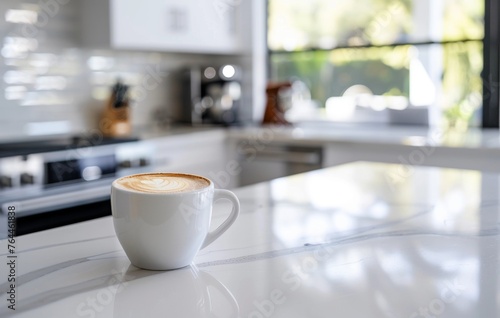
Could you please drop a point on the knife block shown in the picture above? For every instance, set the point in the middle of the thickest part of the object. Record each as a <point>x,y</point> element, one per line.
<point>115,121</point>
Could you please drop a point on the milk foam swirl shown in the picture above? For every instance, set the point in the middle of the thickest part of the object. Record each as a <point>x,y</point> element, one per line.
<point>162,183</point>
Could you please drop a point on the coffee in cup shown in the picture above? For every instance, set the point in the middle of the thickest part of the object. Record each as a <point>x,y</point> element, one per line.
<point>162,220</point>
<point>162,183</point>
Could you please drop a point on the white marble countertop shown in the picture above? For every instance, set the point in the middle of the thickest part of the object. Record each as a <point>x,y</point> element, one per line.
<point>321,132</point>
<point>359,240</point>
<point>326,131</point>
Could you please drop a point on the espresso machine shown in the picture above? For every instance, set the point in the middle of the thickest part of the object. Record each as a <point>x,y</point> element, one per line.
<point>211,95</point>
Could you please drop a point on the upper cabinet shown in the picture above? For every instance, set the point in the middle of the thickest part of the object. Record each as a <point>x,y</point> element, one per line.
<point>193,26</point>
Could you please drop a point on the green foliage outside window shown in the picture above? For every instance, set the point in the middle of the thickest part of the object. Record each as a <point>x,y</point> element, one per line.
<point>318,41</point>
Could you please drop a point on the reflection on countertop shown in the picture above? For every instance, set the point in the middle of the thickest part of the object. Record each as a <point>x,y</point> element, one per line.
<point>349,241</point>
<point>197,297</point>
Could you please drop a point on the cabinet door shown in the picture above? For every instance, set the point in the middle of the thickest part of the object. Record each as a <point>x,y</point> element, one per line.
<point>198,26</point>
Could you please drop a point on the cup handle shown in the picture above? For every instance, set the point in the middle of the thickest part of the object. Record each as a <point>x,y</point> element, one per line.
<point>220,194</point>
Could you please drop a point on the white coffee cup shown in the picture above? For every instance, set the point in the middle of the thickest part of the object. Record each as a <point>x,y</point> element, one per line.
<point>162,224</point>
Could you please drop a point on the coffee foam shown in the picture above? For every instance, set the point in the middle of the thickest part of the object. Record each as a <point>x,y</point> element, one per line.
<point>162,183</point>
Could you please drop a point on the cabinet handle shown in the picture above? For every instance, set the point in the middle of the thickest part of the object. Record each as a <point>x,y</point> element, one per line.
<point>312,157</point>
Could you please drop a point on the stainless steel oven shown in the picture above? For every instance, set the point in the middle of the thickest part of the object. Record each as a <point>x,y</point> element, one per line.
<point>56,182</point>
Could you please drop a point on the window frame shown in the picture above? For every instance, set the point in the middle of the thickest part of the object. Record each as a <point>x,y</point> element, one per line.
<point>491,54</point>
<point>491,68</point>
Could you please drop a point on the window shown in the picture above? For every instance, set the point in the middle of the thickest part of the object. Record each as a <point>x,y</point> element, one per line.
<point>383,61</point>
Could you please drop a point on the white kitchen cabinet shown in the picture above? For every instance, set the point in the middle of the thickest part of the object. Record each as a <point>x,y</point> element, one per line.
<point>194,26</point>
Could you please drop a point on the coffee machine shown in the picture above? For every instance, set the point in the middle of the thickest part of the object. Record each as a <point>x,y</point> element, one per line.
<point>211,95</point>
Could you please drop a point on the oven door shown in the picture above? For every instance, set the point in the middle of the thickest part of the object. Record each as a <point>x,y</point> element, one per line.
<point>63,216</point>
<point>56,188</point>
<point>43,208</point>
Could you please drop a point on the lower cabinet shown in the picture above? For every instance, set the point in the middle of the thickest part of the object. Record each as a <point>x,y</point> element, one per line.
<point>201,153</point>
<point>260,164</point>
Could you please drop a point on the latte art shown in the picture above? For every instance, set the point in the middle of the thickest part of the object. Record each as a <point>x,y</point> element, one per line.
<point>162,183</point>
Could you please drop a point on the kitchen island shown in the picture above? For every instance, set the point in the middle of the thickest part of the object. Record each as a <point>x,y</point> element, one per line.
<point>357,240</point>
<point>416,145</point>
<point>273,151</point>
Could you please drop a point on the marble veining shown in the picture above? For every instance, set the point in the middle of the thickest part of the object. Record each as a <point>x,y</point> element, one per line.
<point>348,240</point>
<point>58,244</point>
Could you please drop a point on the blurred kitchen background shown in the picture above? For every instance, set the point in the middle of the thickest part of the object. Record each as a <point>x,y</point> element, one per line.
<point>193,77</point>
<point>378,61</point>
<point>60,59</point>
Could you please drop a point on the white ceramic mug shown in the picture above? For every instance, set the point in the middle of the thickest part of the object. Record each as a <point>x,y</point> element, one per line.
<point>163,231</point>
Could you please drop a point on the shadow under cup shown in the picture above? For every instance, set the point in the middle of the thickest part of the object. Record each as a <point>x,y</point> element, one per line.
<point>164,231</point>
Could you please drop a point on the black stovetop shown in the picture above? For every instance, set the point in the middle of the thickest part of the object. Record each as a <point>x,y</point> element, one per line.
<point>23,148</point>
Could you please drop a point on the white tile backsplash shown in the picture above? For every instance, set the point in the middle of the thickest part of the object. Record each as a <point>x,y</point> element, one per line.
<point>46,76</point>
